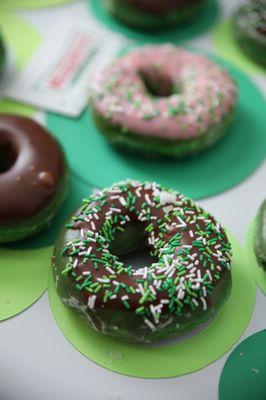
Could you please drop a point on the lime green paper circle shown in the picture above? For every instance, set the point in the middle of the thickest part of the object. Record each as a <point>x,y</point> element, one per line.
<point>23,40</point>
<point>23,279</point>
<point>229,162</point>
<point>167,360</point>
<point>258,272</point>
<point>204,21</point>
<point>32,3</point>
<point>24,266</point>
<point>227,47</point>
<point>244,374</point>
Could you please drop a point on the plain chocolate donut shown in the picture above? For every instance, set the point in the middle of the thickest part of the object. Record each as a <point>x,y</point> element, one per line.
<point>32,177</point>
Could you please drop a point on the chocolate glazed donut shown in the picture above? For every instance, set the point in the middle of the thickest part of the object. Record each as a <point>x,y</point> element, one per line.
<point>160,7</point>
<point>185,286</point>
<point>146,14</point>
<point>33,177</point>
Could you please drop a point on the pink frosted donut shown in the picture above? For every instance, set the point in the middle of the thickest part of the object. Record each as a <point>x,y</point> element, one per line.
<point>163,100</point>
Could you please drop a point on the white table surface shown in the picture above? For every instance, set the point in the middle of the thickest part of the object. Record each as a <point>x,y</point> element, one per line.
<point>37,362</point>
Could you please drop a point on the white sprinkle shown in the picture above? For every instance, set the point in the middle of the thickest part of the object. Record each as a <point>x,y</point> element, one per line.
<point>150,324</point>
<point>88,252</point>
<point>209,274</point>
<point>102,280</point>
<point>91,301</point>
<point>204,303</point>
<point>122,201</point>
<point>152,290</point>
<point>110,270</point>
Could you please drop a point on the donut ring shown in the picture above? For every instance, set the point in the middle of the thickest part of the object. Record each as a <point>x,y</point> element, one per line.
<point>33,177</point>
<point>183,288</point>
<point>163,101</point>
<point>250,29</point>
<point>259,239</point>
<point>150,14</point>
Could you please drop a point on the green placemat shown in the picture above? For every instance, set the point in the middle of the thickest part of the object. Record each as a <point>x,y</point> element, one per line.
<point>24,266</point>
<point>205,20</point>
<point>229,162</point>
<point>227,47</point>
<point>32,3</point>
<point>23,279</point>
<point>22,40</point>
<point>167,360</point>
<point>258,272</point>
<point>244,374</point>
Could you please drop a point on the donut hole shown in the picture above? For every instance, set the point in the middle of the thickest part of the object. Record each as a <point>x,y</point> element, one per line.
<point>138,258</point>
<point>158,83</point>
<point>8,156</point>
<point>131,247</point>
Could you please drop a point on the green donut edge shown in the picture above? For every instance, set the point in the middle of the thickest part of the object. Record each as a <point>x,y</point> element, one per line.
<point>157,147</point>
<point>16,231</point>
<point>130,16</point>
<point>259,236</point>
<point>251,42</point>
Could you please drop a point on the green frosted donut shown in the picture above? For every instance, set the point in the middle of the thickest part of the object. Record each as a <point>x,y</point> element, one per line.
<point>150,14</point>
<point>250,29</point>
<point>260,236</point>
<point>185,286</point>
<point>163,101</point>
<point>2,54</point>
<point>33,178</point>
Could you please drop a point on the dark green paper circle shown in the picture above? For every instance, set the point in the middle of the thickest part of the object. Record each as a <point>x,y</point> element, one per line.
<point>204,21</point>
<point>225,165</point>
<point>244,374</point>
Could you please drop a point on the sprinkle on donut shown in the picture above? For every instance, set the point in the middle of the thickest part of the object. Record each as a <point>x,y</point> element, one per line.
<point>192,249</point>
<point>200,94</point>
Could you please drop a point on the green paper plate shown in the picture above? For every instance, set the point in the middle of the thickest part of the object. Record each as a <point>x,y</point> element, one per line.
<point>32,3</point>
<point>167,360</point>
<point>258,272</point>
<point>227,47</point>
<point>232,160</point>
<point>244,374</point>
<point>205,21</point>
<point>23,279</point>
<point>23,40</point>
<point>24,266</point>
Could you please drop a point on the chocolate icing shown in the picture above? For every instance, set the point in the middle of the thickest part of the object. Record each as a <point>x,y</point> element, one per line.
<point>78,248</point>
<point>32,170</point>
<point>161,7</point>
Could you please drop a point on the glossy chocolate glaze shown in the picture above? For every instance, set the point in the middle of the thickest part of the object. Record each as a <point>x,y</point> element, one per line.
<point>102,316</point>
<point>32,171</point>
<point>161,7</point>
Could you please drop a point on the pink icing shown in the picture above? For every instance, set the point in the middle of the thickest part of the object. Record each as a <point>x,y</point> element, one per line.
<point>208,93</point>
